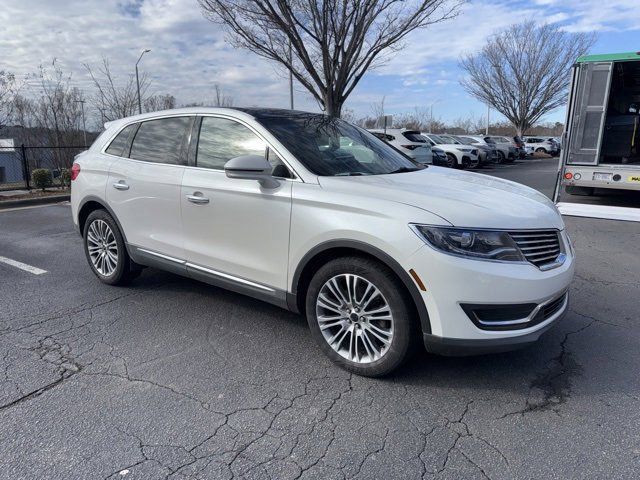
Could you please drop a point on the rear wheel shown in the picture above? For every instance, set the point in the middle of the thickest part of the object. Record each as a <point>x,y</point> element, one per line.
<point>541,150</point>
<point>106,251</point>
<point>452,162</point>
<point>360,315</point>
<point>501,157</point>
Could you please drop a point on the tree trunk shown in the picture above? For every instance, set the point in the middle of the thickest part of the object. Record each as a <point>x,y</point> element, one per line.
<point>332,106</point>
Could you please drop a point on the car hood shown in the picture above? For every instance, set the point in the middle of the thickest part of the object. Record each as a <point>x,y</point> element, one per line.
<point>463,199</point>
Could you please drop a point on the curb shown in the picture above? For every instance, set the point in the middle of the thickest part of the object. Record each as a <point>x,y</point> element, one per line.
<point>25,202</point>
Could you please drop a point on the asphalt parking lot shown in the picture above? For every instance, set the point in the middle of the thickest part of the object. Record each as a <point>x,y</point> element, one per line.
<point>170,378</point>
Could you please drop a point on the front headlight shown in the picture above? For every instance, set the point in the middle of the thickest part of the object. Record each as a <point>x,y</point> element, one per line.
<point>465,150</point>
<point>479,244</point>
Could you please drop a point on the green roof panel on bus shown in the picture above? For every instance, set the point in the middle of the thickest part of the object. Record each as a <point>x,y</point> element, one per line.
<point>610,57</point>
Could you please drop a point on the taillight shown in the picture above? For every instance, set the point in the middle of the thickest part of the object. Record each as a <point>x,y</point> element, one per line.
<point>410,147</point>
<point>568,175</point>
<point>75,171</point>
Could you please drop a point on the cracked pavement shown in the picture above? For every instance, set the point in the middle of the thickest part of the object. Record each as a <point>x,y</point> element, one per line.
<point>170,378</point>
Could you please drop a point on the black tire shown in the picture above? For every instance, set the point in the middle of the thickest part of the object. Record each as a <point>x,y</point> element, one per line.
<point>474,164</point>
<point>405,326</point>
<point>501,157</point>
<point>452,162</point>
<point>541,150</point>
<point>125,270</point>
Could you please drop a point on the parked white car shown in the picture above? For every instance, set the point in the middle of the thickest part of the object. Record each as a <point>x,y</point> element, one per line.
<point>318,216</point>
<point>459,156</point>
<point>507,149</point>
<point>408,142</point>
<point>542,145</point>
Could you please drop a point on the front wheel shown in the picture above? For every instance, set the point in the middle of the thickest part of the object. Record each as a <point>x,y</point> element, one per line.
<point>501,157</point>
<point>105,250</point>
<point>452,161</point>
<point>360,315</point>
<point>541,150</point>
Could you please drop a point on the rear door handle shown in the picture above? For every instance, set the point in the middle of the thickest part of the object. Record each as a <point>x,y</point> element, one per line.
<point>121,185</point>
<point>197,198</point>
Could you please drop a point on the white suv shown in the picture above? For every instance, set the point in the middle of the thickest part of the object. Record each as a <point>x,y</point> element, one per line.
<point>409,142</point>
<point>320,217</point>
<point>458,155</point>
<point>542,145</point>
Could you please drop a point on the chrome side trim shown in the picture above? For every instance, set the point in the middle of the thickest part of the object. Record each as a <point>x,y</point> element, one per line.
<point>161,255</point>
<point>230,277</point>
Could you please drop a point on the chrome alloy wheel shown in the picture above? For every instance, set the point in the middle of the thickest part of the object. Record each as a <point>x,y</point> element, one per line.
<point>355,319</point>
<point>102,246</point>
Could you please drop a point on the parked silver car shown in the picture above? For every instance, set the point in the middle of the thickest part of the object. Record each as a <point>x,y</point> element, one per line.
<point>507,149</point>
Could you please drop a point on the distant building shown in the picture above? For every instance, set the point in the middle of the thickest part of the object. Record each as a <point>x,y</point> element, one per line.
<point>10,162</point>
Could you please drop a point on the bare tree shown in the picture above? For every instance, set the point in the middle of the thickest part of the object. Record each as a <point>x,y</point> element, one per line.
<point>155,103</point>
<point>329,45</point>
<point>8,90</point>
<point>115,99</point>
<point>52,119</point>
<point>220,99</point>
<point>377,110</point>
<point>524,72</point>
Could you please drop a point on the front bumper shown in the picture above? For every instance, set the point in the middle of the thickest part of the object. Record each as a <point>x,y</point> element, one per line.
<point>452,281</point>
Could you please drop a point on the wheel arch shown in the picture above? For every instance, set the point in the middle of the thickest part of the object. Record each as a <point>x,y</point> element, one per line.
<point>90,204</point>
<point>326,251</point>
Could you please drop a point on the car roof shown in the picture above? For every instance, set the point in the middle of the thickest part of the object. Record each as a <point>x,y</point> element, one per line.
<point>392,130</point>
<point>256,113</point>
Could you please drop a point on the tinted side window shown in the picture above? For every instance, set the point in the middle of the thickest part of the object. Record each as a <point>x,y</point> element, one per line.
<point>160,140</point>
<point>118,144</point>
<point>221,140</point>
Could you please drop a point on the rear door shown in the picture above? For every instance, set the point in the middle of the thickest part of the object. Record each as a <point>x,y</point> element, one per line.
<point>592,94</point>
<point>144,186</point>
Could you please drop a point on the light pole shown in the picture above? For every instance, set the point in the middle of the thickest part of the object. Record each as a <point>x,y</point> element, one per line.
<point>138,79</point>
<point>486,132</point>
<point>84,127</point>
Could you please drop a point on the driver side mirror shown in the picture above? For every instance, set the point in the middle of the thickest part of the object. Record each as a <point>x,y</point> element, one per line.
<point>251,167</point>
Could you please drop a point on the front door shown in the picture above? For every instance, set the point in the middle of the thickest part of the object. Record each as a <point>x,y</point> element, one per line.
<point>235,230</point>
<point>144,186</point>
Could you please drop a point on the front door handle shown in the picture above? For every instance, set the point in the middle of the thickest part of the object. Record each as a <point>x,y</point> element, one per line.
<point>197,198</point>
<point>121,185</point>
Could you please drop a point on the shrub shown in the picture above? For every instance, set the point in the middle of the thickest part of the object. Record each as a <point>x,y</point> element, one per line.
<point>65,177</point>
<point>42,178</point>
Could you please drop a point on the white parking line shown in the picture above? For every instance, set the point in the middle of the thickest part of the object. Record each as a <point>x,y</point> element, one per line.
<point>22,266</point>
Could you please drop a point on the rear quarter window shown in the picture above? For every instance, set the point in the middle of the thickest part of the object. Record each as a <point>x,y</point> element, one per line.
<point>414,137</point>
<point>121,141</point>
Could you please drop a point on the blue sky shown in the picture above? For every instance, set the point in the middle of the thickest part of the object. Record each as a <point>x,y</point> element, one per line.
<point>190,54</point>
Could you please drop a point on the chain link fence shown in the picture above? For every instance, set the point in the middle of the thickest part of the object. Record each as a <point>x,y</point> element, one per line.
<point>17,163</point>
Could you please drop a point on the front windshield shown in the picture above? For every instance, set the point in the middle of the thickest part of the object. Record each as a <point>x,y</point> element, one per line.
<point>469,140</point>
<point>332,147</point>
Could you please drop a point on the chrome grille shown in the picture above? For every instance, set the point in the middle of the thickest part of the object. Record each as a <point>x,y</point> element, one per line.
<point>539,247</point>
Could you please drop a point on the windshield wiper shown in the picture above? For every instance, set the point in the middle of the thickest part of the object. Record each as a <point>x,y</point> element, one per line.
<point>407,169</point>
<point>350,174</point>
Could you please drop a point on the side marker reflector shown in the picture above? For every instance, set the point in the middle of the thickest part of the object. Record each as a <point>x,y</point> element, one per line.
<point>416,278</point>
